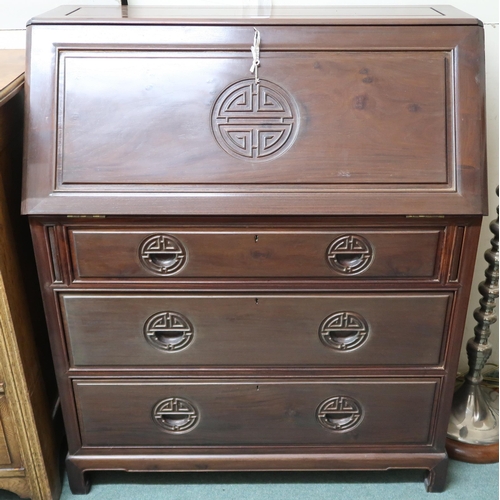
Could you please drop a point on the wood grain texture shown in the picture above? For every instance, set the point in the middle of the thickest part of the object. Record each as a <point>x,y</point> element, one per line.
<point>426,159</point>
<point>394,412</point>
<point>378,119</point>
<point>105,330</point>
<point>5,453</point>
<point>257,254</point>
<point>25,413</point>
<point>192,285</point>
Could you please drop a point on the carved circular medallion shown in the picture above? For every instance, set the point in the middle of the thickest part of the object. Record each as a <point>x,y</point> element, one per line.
<point>340,414</point>
<point>255,121</point>
<point>175,415</point>
<point>168,331</point>
<point>344,331</point>
<point>350,254</point>
<point>162,254</point>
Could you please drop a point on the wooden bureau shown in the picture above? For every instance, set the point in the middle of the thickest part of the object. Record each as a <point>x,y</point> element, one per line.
<point>262,270</point>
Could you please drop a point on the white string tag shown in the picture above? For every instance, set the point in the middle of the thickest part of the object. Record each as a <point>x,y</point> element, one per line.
<point>255,48</point>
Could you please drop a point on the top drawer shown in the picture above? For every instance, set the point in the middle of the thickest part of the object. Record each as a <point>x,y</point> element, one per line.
<point>256,253</point>
<point>169,119</point>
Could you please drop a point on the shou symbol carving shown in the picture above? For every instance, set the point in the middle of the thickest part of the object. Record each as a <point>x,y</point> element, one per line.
<point>255,121</point>
<point>163,254</point>
<point>344,331</point>
<point>168,331</point>
<point>350,254</point>
<point>340,414</point>
<point>175,415</point>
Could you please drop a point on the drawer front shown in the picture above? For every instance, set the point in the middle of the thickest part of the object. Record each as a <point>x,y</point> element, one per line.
<point>405,253</point>
<point>156,413</point>
<point>233,330</point>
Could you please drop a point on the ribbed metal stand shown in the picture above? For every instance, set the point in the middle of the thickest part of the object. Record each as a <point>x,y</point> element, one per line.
<point>473,427</point>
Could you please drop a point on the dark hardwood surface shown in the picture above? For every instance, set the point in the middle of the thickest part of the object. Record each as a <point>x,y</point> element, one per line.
<point>245,274</point>
<point>29,451</point>
<point>229,252</point>
<point>256,413</point>
<point>271,330</point>
<point>359,130</point>
<point>342,136</point>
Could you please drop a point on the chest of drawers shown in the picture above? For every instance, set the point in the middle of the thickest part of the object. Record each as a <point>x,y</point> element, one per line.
<point>255,271</point>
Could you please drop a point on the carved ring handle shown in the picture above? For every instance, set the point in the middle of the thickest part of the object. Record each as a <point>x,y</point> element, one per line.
<point>344,331</point>
<point>162,254</point>
<point>350,254</point>
<point>168,331</point>
<point>340,413</point>
<point>164,259</point>
<point>175,415</point>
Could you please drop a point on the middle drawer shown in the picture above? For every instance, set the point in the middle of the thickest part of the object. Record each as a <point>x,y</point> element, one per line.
<point>150,329</point>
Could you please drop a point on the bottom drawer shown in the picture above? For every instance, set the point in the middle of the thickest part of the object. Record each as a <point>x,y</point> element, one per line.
<point>218,413</point>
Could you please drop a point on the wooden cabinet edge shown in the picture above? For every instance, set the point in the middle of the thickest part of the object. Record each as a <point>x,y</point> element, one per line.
<point>35,473</point>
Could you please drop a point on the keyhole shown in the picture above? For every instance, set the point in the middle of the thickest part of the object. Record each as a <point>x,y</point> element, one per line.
<point>256,238</point>
<point>256,301</point>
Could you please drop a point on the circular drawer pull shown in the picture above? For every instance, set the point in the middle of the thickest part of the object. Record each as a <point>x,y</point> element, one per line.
<point>344,331</point>
<point>340,413</point>
<point>165,260</point>
<point>168,331</point>
<point>162,254</point>
<point>350,254</point>
<point>175,415</point>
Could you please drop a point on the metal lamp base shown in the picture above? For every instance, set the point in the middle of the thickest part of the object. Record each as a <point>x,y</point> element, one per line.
<point>474,425</point>
<point>472,453</point>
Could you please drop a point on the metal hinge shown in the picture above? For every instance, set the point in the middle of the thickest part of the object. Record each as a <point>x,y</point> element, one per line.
<point>86,216</point>
<point>425,216</point>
